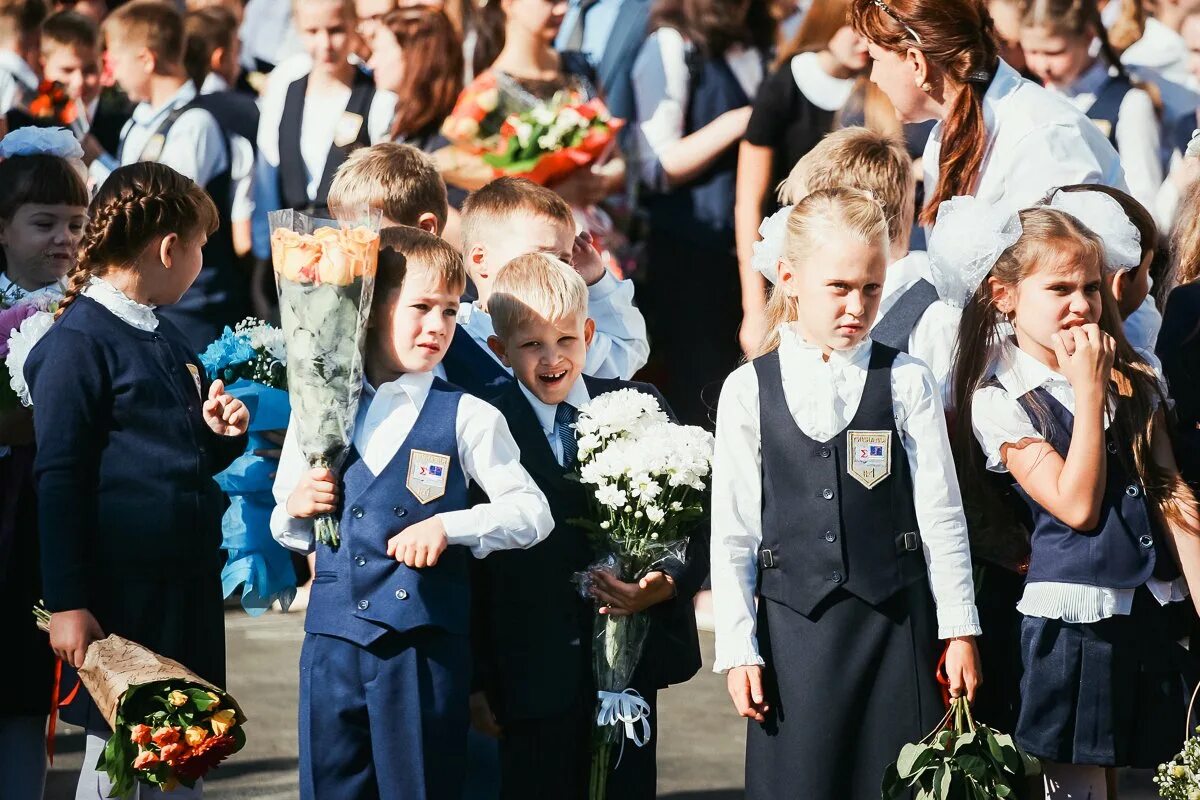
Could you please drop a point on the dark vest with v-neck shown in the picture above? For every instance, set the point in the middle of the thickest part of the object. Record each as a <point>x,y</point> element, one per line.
<point>359,593</point>
<point>1125,549</point>
<point>1106,108</point>
<point>293,175</point>
<point>896,326</point>
<point>824,530</point>
<point>468,365</point>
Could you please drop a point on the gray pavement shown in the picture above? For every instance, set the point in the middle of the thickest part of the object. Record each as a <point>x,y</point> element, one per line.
<point>701,742</point>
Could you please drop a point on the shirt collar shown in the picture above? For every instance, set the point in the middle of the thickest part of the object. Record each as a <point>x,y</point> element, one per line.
<point>578,397</point>
<point>24,74</point>
<point>413,385</point>
<point>794,344</point>
<point>214,83</point>
<point>1020,373</point>
<point>1004,83</point>
<point>139,315</point>
<point>905,272</point>
<point>146,115</point>
<point>822,89</point>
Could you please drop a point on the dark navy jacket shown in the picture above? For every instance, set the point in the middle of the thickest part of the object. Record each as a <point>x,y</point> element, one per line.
<point>532,628</point>
<point>471,366</point>
<point>360,593</point>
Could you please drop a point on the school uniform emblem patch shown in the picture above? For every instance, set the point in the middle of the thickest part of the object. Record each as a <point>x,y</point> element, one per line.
<point>427,475</point>
<point>192,368</point>
<point>870,456</point>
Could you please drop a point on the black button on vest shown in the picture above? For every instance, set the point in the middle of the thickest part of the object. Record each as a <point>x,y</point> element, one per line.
<point>826,531</point>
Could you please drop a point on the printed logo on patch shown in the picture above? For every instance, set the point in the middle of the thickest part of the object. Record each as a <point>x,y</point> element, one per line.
<point>153,148</point>
<point>1105,127</point>
<point>347,129</point>
<point>870,456</point>
<point>427,475</point>
<point>192,368</point>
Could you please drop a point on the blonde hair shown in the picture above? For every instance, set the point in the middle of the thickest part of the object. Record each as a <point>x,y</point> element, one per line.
<point>503,199</point>
<point>403,250</point>
<point>1185,242</point>
<point>397,179</point>
<point>347,6</point>
<point>859,158</point>
<point>852,212</point>
<point>152,24</point>
<point>535,285</point>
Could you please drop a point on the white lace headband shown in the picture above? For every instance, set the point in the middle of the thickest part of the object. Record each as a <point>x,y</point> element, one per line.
<point>965,243</point>
<point>34,141</point>
<point>1103,215</point>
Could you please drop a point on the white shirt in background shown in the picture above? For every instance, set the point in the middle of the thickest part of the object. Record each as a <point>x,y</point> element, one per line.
<point>16,80</point>
<point>823,397</point>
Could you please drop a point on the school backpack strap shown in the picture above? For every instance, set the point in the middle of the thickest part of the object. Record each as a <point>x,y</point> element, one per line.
<point>153,148</point>
<point>1107,108</point>
<point>898,323</point>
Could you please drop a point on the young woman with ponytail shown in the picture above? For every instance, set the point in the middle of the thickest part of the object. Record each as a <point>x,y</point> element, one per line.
<point>999,137</point>
<point>129,434</point>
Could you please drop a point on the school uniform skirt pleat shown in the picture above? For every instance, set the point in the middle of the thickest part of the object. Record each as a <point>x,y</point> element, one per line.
<point>1108,693</point>
<point>848,686</point>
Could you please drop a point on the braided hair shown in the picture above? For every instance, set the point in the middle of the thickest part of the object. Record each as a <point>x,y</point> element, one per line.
<point>137,204</point>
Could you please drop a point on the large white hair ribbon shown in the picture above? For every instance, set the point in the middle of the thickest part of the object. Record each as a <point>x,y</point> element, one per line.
<point>966,241</point>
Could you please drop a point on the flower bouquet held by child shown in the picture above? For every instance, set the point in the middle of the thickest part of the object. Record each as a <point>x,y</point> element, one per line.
<point>252,361</point>
<point>325,274</point>
<point>170,726</point>
<point>648,474</point>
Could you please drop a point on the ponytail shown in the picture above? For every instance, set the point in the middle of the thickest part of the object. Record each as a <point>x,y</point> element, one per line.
<point>964,140</point>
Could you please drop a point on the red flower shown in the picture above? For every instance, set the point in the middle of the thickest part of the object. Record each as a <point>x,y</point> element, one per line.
<point>172,752</point>
<point>203,757</point>
<point>145,759</point>
<point>165,736</point>
<point>140,734</point>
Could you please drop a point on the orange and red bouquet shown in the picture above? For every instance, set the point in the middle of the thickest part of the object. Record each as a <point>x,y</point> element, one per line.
<point>53,106</point>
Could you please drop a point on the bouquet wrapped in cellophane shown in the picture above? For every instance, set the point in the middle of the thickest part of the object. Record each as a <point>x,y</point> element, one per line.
<point>325,274</point>
<point>648,475</point>
<point>170,726</point>
<point>1179,778</point>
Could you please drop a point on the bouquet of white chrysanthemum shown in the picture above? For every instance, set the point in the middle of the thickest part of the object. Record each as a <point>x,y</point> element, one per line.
<point>647,475</point>
<point>1179,778</point>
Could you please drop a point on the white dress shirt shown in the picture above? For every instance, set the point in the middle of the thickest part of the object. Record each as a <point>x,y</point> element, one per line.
<point>823,397</point>
<point>577,398</point>
<point>1138,134</point>
<point>999,421</point>
<point>1141,329</point>
<point>661,87</point>
<point>619,347</point>
<point>516,515</point>
<point>935,335</point>
<point>17,79</point>
<point>1037,141</point>
<point>195,146</point>
<point>241,172</point>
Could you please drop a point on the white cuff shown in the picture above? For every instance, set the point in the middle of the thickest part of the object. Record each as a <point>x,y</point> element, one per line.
<point>958,621</point>
<point>291,532</point>
<point>744,656</point>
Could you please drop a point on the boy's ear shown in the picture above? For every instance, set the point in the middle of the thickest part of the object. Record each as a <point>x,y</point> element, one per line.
<point>166,249</point>
<point>1119,282</point>
<point>428,222</point>
<point>589,331</point>
<point>476,255</point>
<point>496,345</point>
<point>216,60</point>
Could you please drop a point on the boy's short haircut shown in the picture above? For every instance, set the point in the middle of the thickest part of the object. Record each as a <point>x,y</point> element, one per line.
<point>859,158</point>
<point>397,179</point>
<point>206,31</point>
<point>348,9</point>
<point>21,17</point>
<point>153,24</point>
<point>504,198</point>
<point>69,29</point>
<point>535,285</point>
<point>402,249</point>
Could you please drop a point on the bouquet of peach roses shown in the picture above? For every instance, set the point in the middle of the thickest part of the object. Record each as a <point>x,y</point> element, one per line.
<point>325,274</point>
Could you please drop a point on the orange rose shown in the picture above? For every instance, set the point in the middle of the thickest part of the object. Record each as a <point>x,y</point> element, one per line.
<point>139,734</point>
<point>362,245</point>
<point>172,751</point>
<point>165,736</point>
<point>195,735</point>
<point>145,759</point>
<point>335,267</point>
<point>298,257</point>
<point>222,721</point>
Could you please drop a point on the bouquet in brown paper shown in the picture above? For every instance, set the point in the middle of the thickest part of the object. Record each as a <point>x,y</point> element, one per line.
<point>325,274</point>
<point>170,726</point>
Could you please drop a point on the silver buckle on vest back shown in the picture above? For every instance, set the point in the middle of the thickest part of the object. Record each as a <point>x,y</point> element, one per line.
<point>910,541</point>
<point>766,559</point>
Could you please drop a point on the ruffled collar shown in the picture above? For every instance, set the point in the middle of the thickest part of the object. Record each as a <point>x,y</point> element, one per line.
<point>130,311</point>
<point>792,341</point>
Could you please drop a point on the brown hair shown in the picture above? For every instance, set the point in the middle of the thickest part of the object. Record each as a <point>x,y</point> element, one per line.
<point>853,212</point>
<point>505,198</point>
<point>397,179</point>
<point>823,19</point>
<point>42,179</point>
<point>206,30</point>
<point>69,29</point>
<point>859,158</point>
<point>713,26</point>
<point>403,248</point>
<point>1129,26</point>
<point>1075,18</point>
<point>1185,242</point>
<point>21,17</point>
<point>1137,213</point>
<point>152,24</point>
<point>1047,235</point>
<point>136,204</point>
<point>957,36</point>
<point>433,69</point>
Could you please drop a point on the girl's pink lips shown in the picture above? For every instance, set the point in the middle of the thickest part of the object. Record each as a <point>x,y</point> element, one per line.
<point>431,346</point>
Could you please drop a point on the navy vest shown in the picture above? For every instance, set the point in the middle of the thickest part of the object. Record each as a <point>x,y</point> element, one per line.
<point>359,593</point>
<point>468,365</point>
<point>1107,106</point>
<point>822,529</point>
<point>897,324</point>
<point>1124,549</point>
<point>293,176</point>
<point>1179,132</point>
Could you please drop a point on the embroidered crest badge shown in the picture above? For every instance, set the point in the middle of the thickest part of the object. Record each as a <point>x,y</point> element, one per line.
<point>869,456</point>
<point>427,475</point>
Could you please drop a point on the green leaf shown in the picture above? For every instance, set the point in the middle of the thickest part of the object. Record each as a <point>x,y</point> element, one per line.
<point>973,765</point>
<point>964,742</point>
<point>913,758</point>
<point>893,788</point>
<point>1003,790</point>
<point>200,699</point>
<point>943,780</point>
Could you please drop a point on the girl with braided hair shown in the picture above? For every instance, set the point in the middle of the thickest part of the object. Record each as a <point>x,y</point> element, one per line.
<point>129,434</point>
<point>998,136</point>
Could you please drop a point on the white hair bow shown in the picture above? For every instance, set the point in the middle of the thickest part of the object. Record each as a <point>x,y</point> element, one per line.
<point>965,243</point>
<point>34,141</point>
<point>769,249</point>
<point>1103,215</point>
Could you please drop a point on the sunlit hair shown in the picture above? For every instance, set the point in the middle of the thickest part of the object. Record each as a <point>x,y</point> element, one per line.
<point>1049,237</point>
<point>1185,242</point>
<point>535,286</point>
<point>1138,214</point>
<point>433,69</point>
<point>404,252</point>
<point>153,24</point>
<point>824,213</point>
<point>397,179</point>
<point>1071,18</point>
<point>347,8</point>
<point>858,158</point>
<point>958,38</point>
<point>205,31</point>
<point>502,203</point>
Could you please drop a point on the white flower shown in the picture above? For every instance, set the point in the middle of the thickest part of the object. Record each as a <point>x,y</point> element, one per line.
<point>605,525</point>
<point>610,496</point>
<point>32,141</point>
<point>677,506</point>
<point>543,114</point>
<point>587,443</point>
<point>523,130</point>
<point>655,514</point>
<point>770,248</point>
<point>548,141</point>
<point>20,343</point>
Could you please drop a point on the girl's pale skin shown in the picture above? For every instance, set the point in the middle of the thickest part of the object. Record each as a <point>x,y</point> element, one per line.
<point>837,297</point>
<point>40,242</point>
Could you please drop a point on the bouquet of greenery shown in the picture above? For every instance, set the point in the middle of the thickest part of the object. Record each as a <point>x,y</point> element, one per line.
<point>960,760</point>
<point>1179,778</point>
<point>649,478</point>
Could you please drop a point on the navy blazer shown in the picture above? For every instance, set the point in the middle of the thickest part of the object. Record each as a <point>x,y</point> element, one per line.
<point>532,628</point>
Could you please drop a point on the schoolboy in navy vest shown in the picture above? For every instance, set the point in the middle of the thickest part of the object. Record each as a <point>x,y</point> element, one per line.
<point>385,669</point>
<point>144,41</point>
<point>511,217</point>
<point>534,637</point>
<point>911,318</point>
